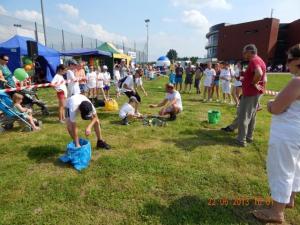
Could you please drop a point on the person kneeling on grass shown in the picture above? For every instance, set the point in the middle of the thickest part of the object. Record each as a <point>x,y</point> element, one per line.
<point>172,104</point>
<point>80,103</point>
<point>129,111</point>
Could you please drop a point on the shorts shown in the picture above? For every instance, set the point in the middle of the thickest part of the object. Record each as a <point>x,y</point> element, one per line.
<point>178,80</point>
<point>171,109</point>
<point>106,88</point>
<point>207,82</point>
<point>217,82</point>
<point>60,95</point>
<point>197,83</point>
<point>189,80</point>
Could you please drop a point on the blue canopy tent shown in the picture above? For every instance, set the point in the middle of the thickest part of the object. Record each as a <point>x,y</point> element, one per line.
<point>16,47</point>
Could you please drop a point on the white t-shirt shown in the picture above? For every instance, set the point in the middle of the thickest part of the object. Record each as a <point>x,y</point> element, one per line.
<point>209,74</point>
<point>100,79</point>
<point>62,87</point>
<point>125,110</point>
<point>91,80</point>
<point>73,86</point>
<point>129,82</point>
<point>175,95</point>
<point>72,106</point>
<point>227,74</point>
<point>107,78</point>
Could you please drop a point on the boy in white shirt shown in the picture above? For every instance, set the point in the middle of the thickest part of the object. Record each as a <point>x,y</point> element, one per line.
<point>129,111</point>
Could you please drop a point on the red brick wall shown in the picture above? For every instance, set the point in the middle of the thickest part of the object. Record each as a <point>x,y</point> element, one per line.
<point>294,33</point>
<point>262,33</point>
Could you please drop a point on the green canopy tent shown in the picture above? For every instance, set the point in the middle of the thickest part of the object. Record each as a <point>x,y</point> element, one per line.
<point>117,55</point>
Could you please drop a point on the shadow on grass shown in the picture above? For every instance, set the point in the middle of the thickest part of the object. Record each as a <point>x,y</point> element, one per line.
<point>202,137</point>
<point>193,210</point>
<point>43,154</point>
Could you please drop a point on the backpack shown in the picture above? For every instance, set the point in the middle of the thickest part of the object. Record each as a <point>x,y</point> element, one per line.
<point>120,82</point>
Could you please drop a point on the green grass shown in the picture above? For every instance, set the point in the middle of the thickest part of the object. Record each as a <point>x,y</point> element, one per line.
<point>152,175</point>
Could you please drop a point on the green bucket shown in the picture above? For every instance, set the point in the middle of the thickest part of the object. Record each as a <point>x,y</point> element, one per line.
<point>214,116</point>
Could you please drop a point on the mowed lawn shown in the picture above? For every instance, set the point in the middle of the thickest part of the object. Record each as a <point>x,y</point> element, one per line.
<point>153,175</point>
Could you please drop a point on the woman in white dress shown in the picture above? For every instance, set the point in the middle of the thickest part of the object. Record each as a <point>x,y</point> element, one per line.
<point>237,88</point>
<point>100,83</point>
<point>209,76</point>
<point>283,163</point>
<point>92,82</point>
<point>226,77</point>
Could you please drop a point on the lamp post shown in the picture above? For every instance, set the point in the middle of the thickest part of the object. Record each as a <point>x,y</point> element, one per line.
<point>44,25</point>
<point>147,21</point>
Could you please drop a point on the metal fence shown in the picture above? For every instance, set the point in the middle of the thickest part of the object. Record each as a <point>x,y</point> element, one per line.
<point>61,39</point>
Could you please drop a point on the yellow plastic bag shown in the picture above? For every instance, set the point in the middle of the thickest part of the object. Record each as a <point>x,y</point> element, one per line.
<point>111,105</point>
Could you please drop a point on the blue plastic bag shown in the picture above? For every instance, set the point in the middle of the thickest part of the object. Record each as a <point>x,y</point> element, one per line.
<point>79,157</point>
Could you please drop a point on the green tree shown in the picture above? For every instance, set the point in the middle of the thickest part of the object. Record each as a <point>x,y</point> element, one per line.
<point>172,54</point>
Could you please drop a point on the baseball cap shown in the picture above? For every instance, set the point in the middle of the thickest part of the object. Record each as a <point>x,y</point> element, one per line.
<point>86,110</point>
<point>105,67</point>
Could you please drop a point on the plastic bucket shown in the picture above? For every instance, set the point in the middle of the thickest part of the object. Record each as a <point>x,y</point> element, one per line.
<point>214,116</point>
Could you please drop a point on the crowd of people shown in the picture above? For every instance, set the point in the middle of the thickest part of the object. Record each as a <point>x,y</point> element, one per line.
<point>85,84</point>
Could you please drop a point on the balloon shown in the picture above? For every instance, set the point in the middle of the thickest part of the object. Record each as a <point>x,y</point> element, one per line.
<point>27,61</point>
<point>28,67</point>
<point>20,74</point>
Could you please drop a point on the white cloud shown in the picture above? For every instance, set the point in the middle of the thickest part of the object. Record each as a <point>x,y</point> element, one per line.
<point>168,20</point>
<point>215,4</point>
<point>95,31</point>
<point>68,9</point>
<point>3,10</point>
<point>195,19</point>
<point>30,15</point>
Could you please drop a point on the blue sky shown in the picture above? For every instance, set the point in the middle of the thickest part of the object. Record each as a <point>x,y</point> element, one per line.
<point>178,24</point>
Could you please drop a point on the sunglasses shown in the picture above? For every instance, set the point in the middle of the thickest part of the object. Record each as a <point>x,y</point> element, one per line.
<point>6,60</point>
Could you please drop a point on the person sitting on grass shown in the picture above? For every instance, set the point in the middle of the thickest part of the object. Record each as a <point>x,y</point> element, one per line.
<point>80,103</point>
<point>129,111</point>
<point>283,161</point>
<point>27,113</point>
<point>172,104</point>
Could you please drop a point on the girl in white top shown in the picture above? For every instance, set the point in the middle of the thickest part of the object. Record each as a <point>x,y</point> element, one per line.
<point>226,77</point>
<point>100,83</point>
<point>92,82</point>
<point>283,163</point>
<point>139,80</point>
<point>61,91</point>
<point>209,74</point>
<point>106,80</point>
<point>237,89</point>
<point>117,77</point>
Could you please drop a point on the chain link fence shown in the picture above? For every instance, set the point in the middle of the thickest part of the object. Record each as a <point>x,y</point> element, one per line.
<point>61,39</point>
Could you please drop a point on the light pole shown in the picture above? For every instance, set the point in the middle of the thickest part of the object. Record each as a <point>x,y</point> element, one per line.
<point>44,25</point>
<point>147,21</point>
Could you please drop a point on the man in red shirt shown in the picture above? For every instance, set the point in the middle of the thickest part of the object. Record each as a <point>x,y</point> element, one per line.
<point>253,87</point>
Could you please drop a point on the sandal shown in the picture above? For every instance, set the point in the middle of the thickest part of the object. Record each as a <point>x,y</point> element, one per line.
<point>262,216</point>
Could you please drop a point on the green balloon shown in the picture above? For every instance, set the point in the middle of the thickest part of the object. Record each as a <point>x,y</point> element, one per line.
<point>27,61</point>
<point>20,74</point>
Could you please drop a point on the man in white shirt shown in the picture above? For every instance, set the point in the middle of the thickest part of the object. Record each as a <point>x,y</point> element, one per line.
<point>73,86</point>
<point>80,103</point>
<point>172,104</point>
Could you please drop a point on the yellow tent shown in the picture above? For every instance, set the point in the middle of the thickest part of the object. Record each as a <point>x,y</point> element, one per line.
<point>122,56</point>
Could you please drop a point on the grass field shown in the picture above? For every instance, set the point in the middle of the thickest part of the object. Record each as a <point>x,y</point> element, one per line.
<point>153,175</point>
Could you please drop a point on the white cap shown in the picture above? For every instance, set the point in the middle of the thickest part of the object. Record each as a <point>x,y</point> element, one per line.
<point>105,67</point>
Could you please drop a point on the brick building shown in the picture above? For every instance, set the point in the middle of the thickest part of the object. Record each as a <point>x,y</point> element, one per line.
<point>272,39</point>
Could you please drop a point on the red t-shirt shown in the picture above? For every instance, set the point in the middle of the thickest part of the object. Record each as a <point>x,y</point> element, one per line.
<point>248,88</point>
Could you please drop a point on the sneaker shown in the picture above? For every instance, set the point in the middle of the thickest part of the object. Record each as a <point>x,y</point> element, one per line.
<point>249,140</point>
<point>62,121</point>
<point>173,116</point>
<point>103,144</point>
<point>241,144</point>
<point>217,100</point>
<point>125,121</point>
<point>227,129</point>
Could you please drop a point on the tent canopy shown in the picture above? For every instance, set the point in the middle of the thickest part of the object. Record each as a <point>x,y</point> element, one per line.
<point>108,47</point>
<point>85,51</point>
<point>163,61</point>
<point>17,47</point>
